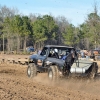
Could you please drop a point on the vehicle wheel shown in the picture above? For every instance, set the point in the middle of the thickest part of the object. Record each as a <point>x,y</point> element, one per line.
<point>53,73</point>
<point>31,70</point>
<point>93,71</point>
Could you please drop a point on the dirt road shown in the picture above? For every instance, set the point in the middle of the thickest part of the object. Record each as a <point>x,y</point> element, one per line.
<point>15,85</point>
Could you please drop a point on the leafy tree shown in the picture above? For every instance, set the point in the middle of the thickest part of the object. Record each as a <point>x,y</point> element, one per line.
<point>44,28</point>
<point>17,25</point>
<point>8,33</point>
<point>69,35</point>
<point>84,36</point>
<point>26,29</point>
<point>50,26</point>
<point>39,32</point>
<point>89,31</point>
<point>93,24</point>
<point>6,13</point>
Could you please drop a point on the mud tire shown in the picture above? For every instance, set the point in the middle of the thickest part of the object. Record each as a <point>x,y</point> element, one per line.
<point>94,71</point>
<point>53,73</point>
<point>31,70</point>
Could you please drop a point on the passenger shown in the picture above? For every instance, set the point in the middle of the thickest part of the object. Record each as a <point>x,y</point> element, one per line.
<point>56,53</point>
<point>39,52</point>
<point>82,54</point>
<point>88,54</point>
<point>64,57</point>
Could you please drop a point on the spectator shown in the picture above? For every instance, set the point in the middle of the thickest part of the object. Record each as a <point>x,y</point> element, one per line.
<point>88,54</point>
<point>82,54</point>
<point>92,55</point>
<point>39,52</point>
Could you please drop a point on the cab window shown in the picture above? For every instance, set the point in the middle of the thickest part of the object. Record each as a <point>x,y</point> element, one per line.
<point>44,52</point>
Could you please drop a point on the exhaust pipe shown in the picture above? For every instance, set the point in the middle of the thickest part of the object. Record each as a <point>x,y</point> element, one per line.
<point>77,70</point>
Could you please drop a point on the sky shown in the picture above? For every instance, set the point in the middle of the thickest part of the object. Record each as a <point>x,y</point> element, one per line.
<point>75,11</point>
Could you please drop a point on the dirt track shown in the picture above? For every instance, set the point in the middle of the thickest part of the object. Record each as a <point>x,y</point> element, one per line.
<point>15,85</point>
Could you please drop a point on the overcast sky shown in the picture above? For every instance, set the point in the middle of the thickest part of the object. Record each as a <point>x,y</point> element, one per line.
<point>74,10</point>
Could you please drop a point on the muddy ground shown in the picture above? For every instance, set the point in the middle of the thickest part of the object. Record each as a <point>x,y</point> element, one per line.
<point>15,85</point>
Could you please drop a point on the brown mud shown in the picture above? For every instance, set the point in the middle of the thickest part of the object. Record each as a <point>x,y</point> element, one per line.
<point>15,85</point>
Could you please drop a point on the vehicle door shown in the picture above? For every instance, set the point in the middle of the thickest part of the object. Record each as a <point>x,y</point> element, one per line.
<point>43,55</point>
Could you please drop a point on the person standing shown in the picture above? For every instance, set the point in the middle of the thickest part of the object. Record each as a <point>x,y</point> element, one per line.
<point>39,52</point>
<point>82,54</point>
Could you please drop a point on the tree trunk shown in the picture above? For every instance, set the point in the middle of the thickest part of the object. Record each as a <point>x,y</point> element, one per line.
<point>25,39</point>
<point>8,45</point>
<point>18,43</point>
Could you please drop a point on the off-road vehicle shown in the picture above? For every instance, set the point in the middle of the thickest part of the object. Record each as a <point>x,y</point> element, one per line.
<point>60,61</point>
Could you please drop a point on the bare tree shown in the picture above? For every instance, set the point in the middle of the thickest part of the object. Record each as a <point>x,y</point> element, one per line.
<point>4,13</point>
<point>62,24</point>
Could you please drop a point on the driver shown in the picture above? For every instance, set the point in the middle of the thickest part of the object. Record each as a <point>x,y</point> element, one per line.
<point>56,53</point>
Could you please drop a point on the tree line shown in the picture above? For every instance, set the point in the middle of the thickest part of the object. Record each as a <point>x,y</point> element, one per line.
<point>18,31</point>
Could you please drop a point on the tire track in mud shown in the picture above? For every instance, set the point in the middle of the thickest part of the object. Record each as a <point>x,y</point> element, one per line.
<point>14,85</point>
<point>45,91</point>
<point>35,90</point>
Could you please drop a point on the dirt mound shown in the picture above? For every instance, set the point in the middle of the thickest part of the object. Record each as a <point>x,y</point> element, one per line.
<point>15,85</point>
